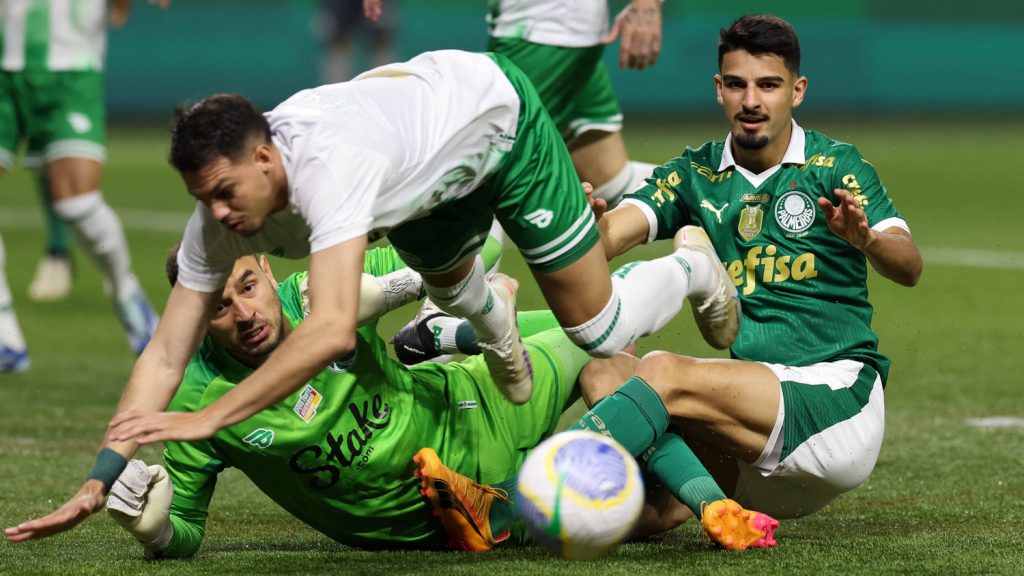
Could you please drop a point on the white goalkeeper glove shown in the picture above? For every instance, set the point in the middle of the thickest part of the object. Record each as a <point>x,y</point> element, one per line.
<point>140,501</point>
<point>378,294</point>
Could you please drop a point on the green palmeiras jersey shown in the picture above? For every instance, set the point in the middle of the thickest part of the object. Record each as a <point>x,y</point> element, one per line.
<point>337,454</point>
<point>803,288</point>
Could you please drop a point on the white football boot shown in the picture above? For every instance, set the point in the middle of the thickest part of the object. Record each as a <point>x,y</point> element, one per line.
<point>52,280</point>
<point>717,312</point>
<point>507,359</point>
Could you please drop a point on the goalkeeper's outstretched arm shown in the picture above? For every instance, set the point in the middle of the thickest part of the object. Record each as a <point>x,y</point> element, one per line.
<point>152,384</point>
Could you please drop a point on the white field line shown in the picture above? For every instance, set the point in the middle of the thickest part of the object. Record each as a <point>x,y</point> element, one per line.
<point>131,219</point>
<point>997,422</point>
<point>173,221</point>
<point>973,258</point>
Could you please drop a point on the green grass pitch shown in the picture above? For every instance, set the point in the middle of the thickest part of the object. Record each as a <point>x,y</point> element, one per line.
<point>945,497</point>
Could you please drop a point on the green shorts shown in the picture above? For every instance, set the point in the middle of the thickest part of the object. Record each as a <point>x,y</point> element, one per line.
<point>489,437</point>
<point>535,195</point>
<point>573,84</point>
<point>58,114</point>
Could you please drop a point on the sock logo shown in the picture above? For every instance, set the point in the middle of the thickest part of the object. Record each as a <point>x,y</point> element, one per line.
<point>437,337</point>
<point>489,305</point>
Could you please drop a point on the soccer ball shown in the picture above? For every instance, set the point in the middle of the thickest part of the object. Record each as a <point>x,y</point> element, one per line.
<point>580,494</point>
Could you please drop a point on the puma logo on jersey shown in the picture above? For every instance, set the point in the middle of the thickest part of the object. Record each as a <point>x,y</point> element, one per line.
<point>718,211</point>
<point>540,218</point>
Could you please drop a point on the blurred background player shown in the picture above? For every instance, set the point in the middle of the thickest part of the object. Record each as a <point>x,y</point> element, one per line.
<point>353,43</point>
<point>51,97</point>
<point>559,45</point>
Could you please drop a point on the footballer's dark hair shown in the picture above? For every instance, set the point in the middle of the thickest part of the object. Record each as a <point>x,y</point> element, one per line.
<point>221,125</point>
<point>171,264</point>
<point>761,34</point>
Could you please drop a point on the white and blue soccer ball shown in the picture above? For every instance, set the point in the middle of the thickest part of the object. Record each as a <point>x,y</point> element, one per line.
<point>580,494</point>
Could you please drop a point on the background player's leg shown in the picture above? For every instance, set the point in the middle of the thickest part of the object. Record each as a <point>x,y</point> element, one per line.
<point>52,279</point>
<point>600,158</point>
<point>13,355</point>
<point>74,183</point>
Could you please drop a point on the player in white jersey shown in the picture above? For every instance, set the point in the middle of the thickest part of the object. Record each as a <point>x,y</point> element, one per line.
<point>51,97</point>
<point>428,152</point>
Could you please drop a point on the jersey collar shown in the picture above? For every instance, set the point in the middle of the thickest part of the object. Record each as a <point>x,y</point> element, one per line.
<point>794,155</point>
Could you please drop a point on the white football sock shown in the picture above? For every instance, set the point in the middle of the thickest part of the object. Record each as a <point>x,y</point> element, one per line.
<point>607,333</point>
<point>10,332</point>
<point>99,232</point>
<point>641,171</point>
<point>629,179</point>
<point>475,300</point>
<point>652,292</point>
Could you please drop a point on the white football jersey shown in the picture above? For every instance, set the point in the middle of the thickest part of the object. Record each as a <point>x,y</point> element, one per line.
<point>52,35</point>
<point>367,155</point>
<point>569,23</point>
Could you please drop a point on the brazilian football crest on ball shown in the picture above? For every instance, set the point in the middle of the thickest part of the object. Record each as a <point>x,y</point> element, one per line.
<point>580,494</point>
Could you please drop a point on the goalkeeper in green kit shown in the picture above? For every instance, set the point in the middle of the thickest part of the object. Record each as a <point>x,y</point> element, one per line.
<point>338,453</point>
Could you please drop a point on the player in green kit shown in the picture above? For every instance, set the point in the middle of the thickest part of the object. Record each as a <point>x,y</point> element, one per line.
<point>51,99</point>
<point>792,217</point>
<point>338,454</point>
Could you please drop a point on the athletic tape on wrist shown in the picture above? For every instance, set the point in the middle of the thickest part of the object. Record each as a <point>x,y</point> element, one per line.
<point>109,465</point>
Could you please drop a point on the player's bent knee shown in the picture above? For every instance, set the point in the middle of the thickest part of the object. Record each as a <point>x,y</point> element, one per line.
<point>602,376</point>
<point>671,376</point>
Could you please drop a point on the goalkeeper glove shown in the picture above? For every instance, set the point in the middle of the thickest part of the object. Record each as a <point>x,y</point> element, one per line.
<point>140,501</point>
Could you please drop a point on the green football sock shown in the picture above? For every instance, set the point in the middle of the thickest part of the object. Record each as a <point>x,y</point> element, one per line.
<point>503,513</point>
<point>633,415</point>
<point>58,240</point>
<point>678,468</point>
<point>530,323</point>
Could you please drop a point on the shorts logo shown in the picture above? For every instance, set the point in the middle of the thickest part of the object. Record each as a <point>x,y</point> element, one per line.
<point>79,122</point>
<point>751,219</point>
<point>260,438</point>
<point>307,404</point>
<point>794,211</point>
<point>467,404</point>
<point>540,218</point>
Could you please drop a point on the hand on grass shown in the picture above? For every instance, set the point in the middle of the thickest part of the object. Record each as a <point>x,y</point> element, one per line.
<point>86,502</point>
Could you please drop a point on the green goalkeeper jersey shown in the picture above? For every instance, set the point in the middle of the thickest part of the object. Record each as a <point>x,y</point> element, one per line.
<point>803,288</point>
<point>52,35</point>
<point>337,454</point>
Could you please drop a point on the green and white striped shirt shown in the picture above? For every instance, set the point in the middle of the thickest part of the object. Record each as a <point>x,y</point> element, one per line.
<point>52,35</point>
